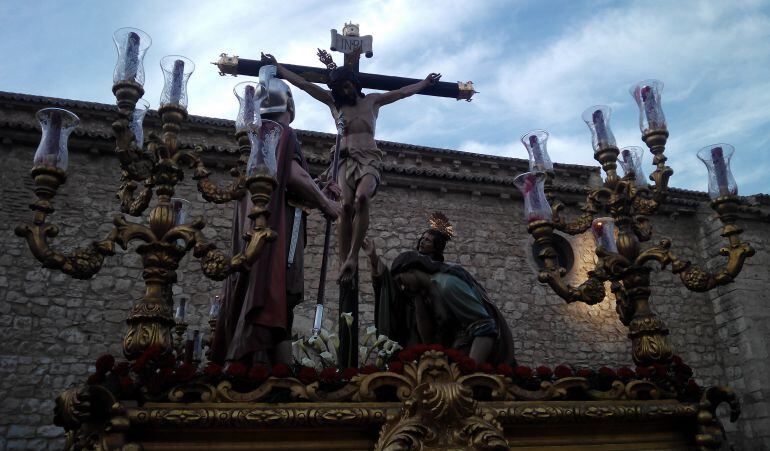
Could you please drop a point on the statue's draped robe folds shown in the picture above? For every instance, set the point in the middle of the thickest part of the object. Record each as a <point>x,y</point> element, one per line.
<point>464,312</point>
<point>257,306</point>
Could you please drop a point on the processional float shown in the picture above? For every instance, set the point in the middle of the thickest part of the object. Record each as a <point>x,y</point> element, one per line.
<point>427,396</point>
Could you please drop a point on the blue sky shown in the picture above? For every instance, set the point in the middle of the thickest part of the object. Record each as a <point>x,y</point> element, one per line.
<point>537,64</point>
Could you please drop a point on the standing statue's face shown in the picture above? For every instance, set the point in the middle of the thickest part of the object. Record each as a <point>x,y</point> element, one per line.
<point>426,245</point>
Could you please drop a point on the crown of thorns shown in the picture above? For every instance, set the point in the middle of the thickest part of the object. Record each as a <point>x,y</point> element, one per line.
<point>440,223</point>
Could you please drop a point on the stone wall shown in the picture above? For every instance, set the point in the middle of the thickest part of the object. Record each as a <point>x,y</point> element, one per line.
<point>54,327</point>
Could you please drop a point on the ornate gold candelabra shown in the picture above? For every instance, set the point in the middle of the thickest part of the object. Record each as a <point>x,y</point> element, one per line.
<point>629,200</point>
<point>159,167</point>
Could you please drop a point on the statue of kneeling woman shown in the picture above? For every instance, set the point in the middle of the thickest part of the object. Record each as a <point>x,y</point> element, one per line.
<point>422,300</point>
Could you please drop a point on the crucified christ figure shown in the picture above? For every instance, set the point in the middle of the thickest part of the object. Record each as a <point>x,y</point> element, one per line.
<point>360,159</point>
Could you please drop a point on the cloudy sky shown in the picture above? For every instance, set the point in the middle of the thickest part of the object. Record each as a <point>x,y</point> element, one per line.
<point>537,64</point>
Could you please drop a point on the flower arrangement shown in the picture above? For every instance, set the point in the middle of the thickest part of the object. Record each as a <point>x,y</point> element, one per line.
<point>154,373</point>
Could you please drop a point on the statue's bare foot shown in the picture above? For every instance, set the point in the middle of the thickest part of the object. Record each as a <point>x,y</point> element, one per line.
<point>348,271</point>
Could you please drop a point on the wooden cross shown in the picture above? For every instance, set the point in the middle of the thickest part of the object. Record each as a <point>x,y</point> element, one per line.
<point>352,46</point>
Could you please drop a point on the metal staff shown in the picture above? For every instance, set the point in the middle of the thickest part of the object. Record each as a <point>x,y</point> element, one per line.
<point>319,308</point>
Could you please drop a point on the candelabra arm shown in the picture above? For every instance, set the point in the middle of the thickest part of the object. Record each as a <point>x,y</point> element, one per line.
<point>214,263</point>
<point>130,204</point>
<point>594,201</point>
<point>591,291</point>
<point>82,263</point>
<point>211,191</point>
<point>710,431</point>
<point>694,277</point>
<point>656,142</point>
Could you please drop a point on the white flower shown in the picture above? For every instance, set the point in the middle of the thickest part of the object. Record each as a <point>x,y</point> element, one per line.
<point>316,343</point>
<point>334,340</point>
<point>348,317</point>
<point>327,356</point>
<point>307,362</point>
<point>380,340</point>
<point>363,351</point>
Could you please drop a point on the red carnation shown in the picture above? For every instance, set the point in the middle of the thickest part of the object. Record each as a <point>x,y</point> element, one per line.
<point>660,370</point>
<point>504,369</point>
<point>420,348</point>
<point>607,372</point>
<point>369,369</point>
<point>436,347</point>
<point>625,372</point>
<point>676,360</point>
<point>259,373</point>
<point>543,372</point>
<point>236,369</point>
<point>396,367</point>
<point>307,375</point>
<point>153,351</point>
<point>185,372</point>
<point>407,355</point>
<point>153,384</point>
<point>330,374</point>
<point>168,360</point>
<point>585,372</point>
<point>121,369</point>
<point>692,388</point>
<point>126,384</point>
<point>562,371</point>
<point>486,368</point>
<point>467,365</point>
<point>95,379</point>
<point>212,369</point>
<point>454,354</point>
<point>684,370</point>
<point>140,363</point>
<point>104,363</point>
<point>523,372</point>
<point>167,374</point>
<point>643,372</point>
<point>281,370</point>
<point>350,373</point>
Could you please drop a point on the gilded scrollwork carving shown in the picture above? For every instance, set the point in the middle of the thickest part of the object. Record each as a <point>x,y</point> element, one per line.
<point>710,433</point>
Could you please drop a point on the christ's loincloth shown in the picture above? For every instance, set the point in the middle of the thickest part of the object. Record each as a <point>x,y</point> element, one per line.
<point>354,164</point>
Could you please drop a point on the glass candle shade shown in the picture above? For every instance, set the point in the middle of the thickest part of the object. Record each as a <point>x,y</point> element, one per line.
<point>137,122</point>
<point>56,125</point>
<point>631,162</point>
<point>216,305</point>
<point>535,142</point>
<point>132,44</point>
<point>181,311</point>
<point>647,96</point>
<point>250,96</point>
<point>197,346</point>
<point>598,120</point>
<point>176,72</point>
<point>604,233</point>
<point>717,157</point>
<point>532,187</point>
<point>264,145</point>
<point>181,210</point>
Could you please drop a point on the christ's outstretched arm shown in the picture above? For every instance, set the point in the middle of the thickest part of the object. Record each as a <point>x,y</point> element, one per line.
<point>318,93</point>
<point>406,91</point>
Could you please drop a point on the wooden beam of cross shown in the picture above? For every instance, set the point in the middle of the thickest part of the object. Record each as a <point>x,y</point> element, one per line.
<point>352,46</point>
